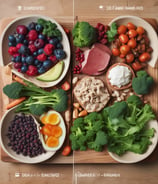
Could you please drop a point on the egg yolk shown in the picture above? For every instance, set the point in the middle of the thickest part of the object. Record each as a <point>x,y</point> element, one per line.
<point>52,119</point>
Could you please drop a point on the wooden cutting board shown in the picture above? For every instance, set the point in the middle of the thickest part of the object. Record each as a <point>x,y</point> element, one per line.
<point>88,156</point>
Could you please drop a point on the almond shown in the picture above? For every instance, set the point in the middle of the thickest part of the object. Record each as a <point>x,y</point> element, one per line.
<point>83,113</point>
<point>75,113</point>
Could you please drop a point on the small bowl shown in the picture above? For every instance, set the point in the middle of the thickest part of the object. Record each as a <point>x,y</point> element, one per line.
<point>116,87</point>
<point>6,58</point>
<point>62,137</point>
<point>5,122</point>
<point>130,157</point>
<point>152,35</point>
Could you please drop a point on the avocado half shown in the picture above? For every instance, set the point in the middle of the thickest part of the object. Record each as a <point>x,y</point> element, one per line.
<point>52,74</point>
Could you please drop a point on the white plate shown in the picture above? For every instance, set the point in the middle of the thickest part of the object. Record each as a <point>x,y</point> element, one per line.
<point>149,29</point>
<point>62,137</point>
<point>6,58</point>
<point>5,122</point>
<point>130,157</point>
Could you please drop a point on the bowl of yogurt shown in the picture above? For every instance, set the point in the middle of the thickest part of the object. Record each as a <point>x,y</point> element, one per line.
<point>119,76</point>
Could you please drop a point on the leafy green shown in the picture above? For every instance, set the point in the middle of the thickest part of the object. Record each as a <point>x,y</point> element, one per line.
<point>39,100</point>
<point>84,35</point>
<point>88,132</point>
<point>112,32</point>
<point>135,100</point>
<point>142,83</point>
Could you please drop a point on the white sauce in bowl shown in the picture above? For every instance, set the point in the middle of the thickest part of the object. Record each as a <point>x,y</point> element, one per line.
<point>119,76</point>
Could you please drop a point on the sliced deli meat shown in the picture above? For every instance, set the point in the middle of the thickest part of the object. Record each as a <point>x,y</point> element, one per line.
<point>92,94</point>
<point>96,60</point>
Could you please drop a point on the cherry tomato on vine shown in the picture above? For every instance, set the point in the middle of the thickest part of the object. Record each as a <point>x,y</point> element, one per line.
<point>144,57</point>
<point>136,66</point>
<point>132,33</point>
<point>131,26</point>
<point>140,30</point>
<point>66,151</point>
<point>132,43</point>
<point>129,58</point>
<point>115,52</point>
<point>123,38</point>
<point>124,49</point>
<point>122,29</point>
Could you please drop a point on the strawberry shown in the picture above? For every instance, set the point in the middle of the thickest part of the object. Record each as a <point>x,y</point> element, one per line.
<point>12,50</point>
<point>65,86</point>
<point>48,49</point>
<point>32,48</point>
<point>53,58</point>
<point>32,35</point>
<point>42,57</point>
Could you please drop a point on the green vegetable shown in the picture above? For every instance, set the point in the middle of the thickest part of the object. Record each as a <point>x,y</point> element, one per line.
<point>128,131</point>
<point>135,100</point>
<point>142,83</point>
<point>39,100</point>
<point>88,132</point>
<point>112,32</point>
<point>49,28</point>
<point>84,35</point>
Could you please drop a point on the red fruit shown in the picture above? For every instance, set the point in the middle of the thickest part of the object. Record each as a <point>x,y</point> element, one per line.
<point>42,57</point>
<point>12,50</point>
<point>32,48</point>
<point>16,54</point>
<point>17,65</point>
<point>33,35</point>
<point>21,29</point>
<point>65,86</point>
<point>32,70</point>
<point>18,46</point>
<point>48,49</point>
<point>66,151</point>
<point>53,58</point>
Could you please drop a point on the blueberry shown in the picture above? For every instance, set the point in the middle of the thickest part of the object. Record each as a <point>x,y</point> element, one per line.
<point>39,27</point>
<point>19,38</point>
<point>40,51</point>
<point>36,62</point>
<point>11,38</point>
<point>18,59</point>
<point>59,46</point>
<point>29,60</point>
<point>41,70</point>
<point>35,53</point>
<point>59,53</point>
<point>25,42</point>
<point>39,65</point>
<point>32,25</point>
<point>24,50</point>
<point>54,41</point>
<point>13,59</point>
<point>10,44</point>
<point>47,64</point>
<point>41,36</point>
<point>23,59</point>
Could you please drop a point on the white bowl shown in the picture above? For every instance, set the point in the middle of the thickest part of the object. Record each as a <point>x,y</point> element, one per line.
<point>6,58</point>
<point>130,157</point>
<point>61,138</point>
<point>152,35</point>
<point>5,122</point>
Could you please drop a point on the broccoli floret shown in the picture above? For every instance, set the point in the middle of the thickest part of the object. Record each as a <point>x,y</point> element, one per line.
<point>142,83</point>
<point>100,141</point>
<point>38,109</point>
<point>135,100</point>
<point>84,35</point>
<point>14,90</point>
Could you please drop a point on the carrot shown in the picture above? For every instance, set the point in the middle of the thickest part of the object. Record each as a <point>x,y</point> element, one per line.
<point>56,131</point>
<point>18,79</point>
<point>15,102</point>
<point>52,141</point>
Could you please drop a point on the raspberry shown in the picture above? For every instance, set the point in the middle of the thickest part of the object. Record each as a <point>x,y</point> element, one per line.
<point>33,35</point>
<point>32,70</point>
<point>48,49</point>
<point>42,57</point>
<point>32,48</point>
<point>18,46</point>
<point>12,50</point>
<point>53,58</point>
